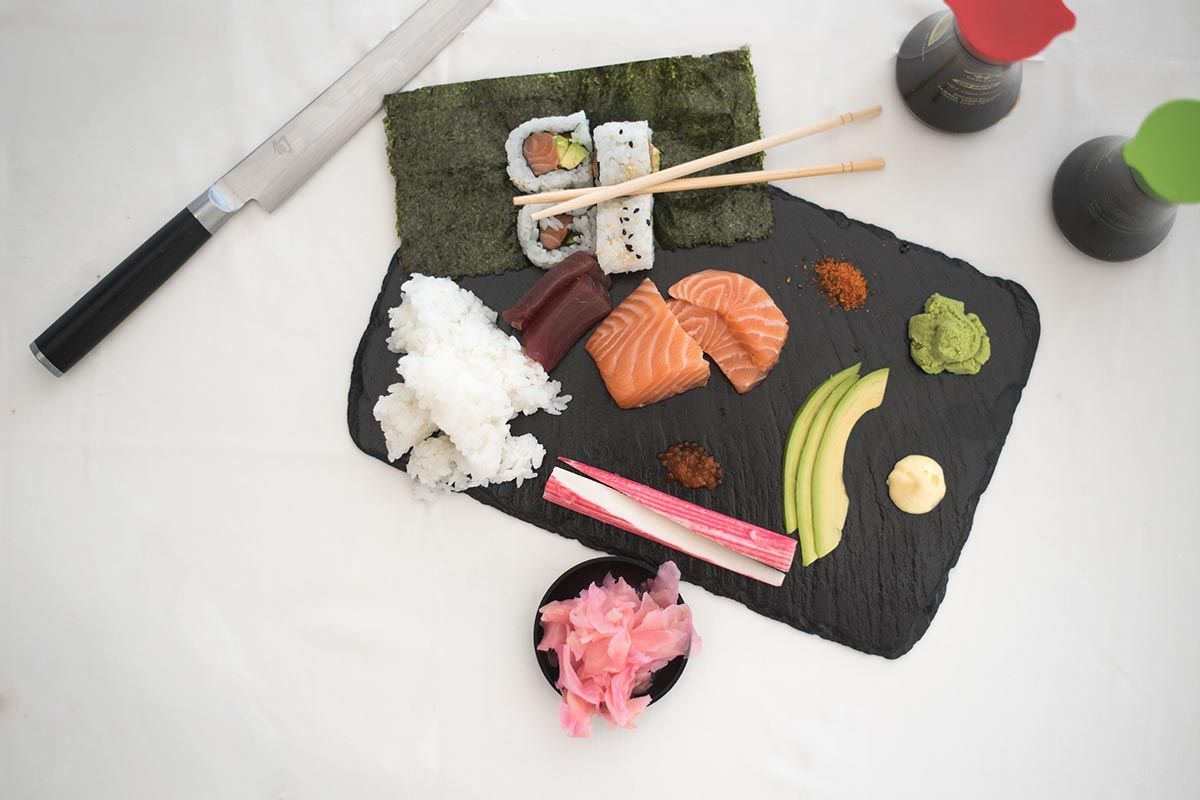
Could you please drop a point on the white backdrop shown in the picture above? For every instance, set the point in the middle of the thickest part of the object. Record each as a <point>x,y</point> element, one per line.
<point>207,591</point>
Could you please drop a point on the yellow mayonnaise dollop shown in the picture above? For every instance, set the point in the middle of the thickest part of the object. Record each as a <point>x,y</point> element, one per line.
<point>916,484</point>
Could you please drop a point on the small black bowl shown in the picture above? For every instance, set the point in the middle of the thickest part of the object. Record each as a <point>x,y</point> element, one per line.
<point>574,581</point>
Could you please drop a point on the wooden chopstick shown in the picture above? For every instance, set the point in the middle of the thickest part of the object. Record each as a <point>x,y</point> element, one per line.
<point>716,181</point>
<point>640,185</point>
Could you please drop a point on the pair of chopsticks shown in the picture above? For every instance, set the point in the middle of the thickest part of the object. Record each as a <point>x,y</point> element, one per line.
<point>673,179</point>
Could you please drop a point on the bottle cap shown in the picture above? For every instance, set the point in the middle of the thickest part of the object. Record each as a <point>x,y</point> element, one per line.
<point>1008,31</point>
<point>1165,154</point>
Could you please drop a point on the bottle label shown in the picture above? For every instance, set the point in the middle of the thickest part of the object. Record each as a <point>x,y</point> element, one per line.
<point>968,87</point>
<point>971,88</point>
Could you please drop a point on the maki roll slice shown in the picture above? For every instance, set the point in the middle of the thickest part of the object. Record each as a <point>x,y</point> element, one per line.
<point>624,151</point>
<point>550,153</point>
<point>549,241</point>
<point>625,234</point>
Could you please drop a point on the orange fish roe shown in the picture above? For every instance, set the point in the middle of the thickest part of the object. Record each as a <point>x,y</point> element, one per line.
<point>843,282</point>
<point>690,465</point>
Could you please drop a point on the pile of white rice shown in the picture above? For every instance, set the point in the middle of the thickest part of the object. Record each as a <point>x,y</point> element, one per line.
<point>466,378</point>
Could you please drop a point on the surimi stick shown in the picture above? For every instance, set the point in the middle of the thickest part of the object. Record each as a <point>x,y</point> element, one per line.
<point>769,547</point>
<point>593,499</point>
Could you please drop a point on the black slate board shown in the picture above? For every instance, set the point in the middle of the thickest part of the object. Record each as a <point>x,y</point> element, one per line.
<point>878,591</point>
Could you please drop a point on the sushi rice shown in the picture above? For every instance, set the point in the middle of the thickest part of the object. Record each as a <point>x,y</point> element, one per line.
<point>574,127</point>
<point>466,378</point>
<point>528,233</point>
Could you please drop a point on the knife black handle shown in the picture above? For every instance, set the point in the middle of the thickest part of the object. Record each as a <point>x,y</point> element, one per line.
<point>119,292</point>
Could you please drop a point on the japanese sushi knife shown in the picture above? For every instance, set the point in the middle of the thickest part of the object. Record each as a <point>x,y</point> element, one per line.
<point>268,176</point>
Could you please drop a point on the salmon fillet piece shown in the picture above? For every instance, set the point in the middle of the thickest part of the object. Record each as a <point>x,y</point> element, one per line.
<point>642,352</point>
<point>540,152</point>
<point>749,312</point>
<point>709,330</point>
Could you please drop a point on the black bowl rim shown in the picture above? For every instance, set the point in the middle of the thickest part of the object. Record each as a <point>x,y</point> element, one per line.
<point>673,668</point>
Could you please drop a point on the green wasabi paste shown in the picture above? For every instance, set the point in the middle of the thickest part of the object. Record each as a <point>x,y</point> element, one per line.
<point>946,339</point>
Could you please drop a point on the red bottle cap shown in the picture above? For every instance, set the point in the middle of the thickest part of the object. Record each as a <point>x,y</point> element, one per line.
<point>1010,30</point>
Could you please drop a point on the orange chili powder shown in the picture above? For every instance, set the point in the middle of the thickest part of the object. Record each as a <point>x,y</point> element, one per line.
<point>843,282</point>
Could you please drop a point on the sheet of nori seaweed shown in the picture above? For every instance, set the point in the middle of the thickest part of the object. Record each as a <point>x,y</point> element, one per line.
<point>879,590</point>
<point>454,211</point>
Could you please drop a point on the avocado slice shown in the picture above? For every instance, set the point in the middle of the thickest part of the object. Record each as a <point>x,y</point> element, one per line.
<point>561,143</point>
<point>804,469</point>
<point>573,157</point>
<point>798,433</point>
<point>830,502</point>
<point>655,158</point>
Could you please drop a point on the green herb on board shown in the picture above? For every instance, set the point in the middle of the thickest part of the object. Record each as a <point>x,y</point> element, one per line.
<point>454,210</point>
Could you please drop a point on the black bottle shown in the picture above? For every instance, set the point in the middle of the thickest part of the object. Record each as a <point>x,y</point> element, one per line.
<point>1104,208</point>
<point>948,85</point>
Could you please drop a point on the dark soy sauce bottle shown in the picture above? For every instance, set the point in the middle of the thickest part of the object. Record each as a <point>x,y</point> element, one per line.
<point>1101,206</point>
<point>959,71</point>
<point>948,86</point>
<point>1115,198</point>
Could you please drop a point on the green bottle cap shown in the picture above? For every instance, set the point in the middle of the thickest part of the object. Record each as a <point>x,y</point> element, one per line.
<point>1165,153</point>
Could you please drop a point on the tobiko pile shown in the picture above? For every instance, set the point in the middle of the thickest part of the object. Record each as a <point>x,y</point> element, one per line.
<point>610,641</point>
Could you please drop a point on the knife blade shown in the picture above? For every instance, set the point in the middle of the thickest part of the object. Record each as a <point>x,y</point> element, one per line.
<point>267,176</point>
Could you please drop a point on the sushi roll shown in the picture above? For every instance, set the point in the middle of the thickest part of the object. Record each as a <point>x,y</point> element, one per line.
<point>625,225</point>
<point>549,241</point>
<point>625,234</point>
<point>550,153</point>
<point>624,151</point>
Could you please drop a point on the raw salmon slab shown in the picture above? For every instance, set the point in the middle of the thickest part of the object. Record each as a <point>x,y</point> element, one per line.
<point>878,592</point>
<point>709,330</point>
<point>642,352</point>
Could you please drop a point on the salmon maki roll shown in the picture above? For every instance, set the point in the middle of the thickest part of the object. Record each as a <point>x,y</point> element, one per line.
<point>550,153</point>
<point>549,241</point>
<point>625,225</point>
<point>624,151</point>
<point>625,234</point>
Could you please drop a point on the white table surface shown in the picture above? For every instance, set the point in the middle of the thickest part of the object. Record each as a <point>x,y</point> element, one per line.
<point>207,591</point>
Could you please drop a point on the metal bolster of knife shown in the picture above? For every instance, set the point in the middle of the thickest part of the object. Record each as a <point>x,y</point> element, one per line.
<point>212,209</point>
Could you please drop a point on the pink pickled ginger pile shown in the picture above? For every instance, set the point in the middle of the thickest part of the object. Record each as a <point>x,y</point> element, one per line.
<point>610,640</point>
